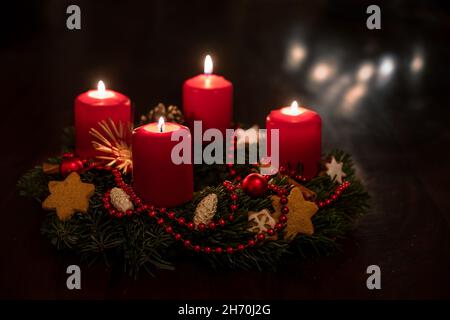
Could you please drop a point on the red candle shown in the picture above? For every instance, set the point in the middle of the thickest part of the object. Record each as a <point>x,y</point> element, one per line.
<point>300,134</point>
<point>209,98</point>
<point>94,106</point>
<point>156,178</point>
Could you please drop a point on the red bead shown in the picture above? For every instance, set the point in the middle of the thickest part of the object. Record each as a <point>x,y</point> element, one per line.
<point>232,172</point>
<point>197,248</point>
<point>233,207</point>
<point>231,218</point>
<point>207,250</point>
<point>169,229</point>
<point>187,243</point>
<point>119,214</point>
<point>282,170</point>
<point>226,183</point>
<point>238,178</point>
<point>327,202</point>
<point>284,210</point>
<point>181,221</point>
<point>278,226</point>
<point>251,243</point>
<point>283,200</point>
<point>283,218</point>
<point>240,247</point>
<point>107,206</point>
<point>129,212</point>
<point>191,225</point>
<point>201,227</point>
<point>221,222</point>
<point>334,197</point>
<point>171,215</point>
<point>152,214</point>
<point>270,232</point>
<point>177,236</point>
<point>218,250</point>
<point>230,250</point>
<point>212,225</point>
<point>234,197</point>
<point>163,210</point>
<point>260,236</point>
<point>160,221</point>
<point>321,204</point>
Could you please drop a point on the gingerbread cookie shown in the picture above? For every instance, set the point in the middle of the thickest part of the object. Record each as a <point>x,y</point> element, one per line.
<point>68,196</point>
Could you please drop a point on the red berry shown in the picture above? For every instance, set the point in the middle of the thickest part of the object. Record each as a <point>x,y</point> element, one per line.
<point>221,222</point>
<point>177,236</point>
<point>251,243</point>
<point>234,197</point>
<point>197,248</point>
<point>230,250</point>
<point>187,243</point>
<point>160,221</point>
<point>152,214</point>
<point>283,218</point>
<point>169,229</point>
<point>129,212</point>
<point>207,250</point>
<point>201,227</point>
<point>233,207</point>
<point>283,200</point>
<point>171,215</point>
<point>162,210</point>
<point>218,250</point>
<point>231,218</point>
<point>270,232</point>
<point>181,221</point>
<point>278,226</point>
<point>240,247</point>
<point>212,225</point>
<point>284,209</point>
<point>327,202</point>
<point>260,236</point>
<point>191,225</point>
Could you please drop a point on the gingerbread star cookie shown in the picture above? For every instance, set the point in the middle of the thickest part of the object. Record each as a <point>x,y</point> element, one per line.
<point>68,196</point>
<point>300,214</point>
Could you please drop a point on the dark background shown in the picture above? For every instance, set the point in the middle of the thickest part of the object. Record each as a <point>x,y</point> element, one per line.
<point>395,123</point>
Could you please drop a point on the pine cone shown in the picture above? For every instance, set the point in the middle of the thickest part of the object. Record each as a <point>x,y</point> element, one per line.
<point>171,114</point>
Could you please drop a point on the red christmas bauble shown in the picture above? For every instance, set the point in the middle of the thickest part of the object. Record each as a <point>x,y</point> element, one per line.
<point>255,185</point>
<point>70,165</point>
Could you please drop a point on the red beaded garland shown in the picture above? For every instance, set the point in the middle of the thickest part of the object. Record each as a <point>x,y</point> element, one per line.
<point>153,212</point>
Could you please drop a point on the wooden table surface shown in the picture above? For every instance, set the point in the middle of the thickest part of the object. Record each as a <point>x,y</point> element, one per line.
<point>394,121</point>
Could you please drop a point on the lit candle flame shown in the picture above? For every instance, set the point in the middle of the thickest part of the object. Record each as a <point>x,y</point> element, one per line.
<point>208,65</point>
<point>161,124</point>
<point>293,110</point>
<point>101,89</point>
<point>294,107</point>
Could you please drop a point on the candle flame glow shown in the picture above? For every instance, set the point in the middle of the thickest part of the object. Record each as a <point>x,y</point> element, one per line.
<point>208,67</point>
<point>161,124</point>
<point>101,89</point>
<point>294,107</point>
<point>293,110</point>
